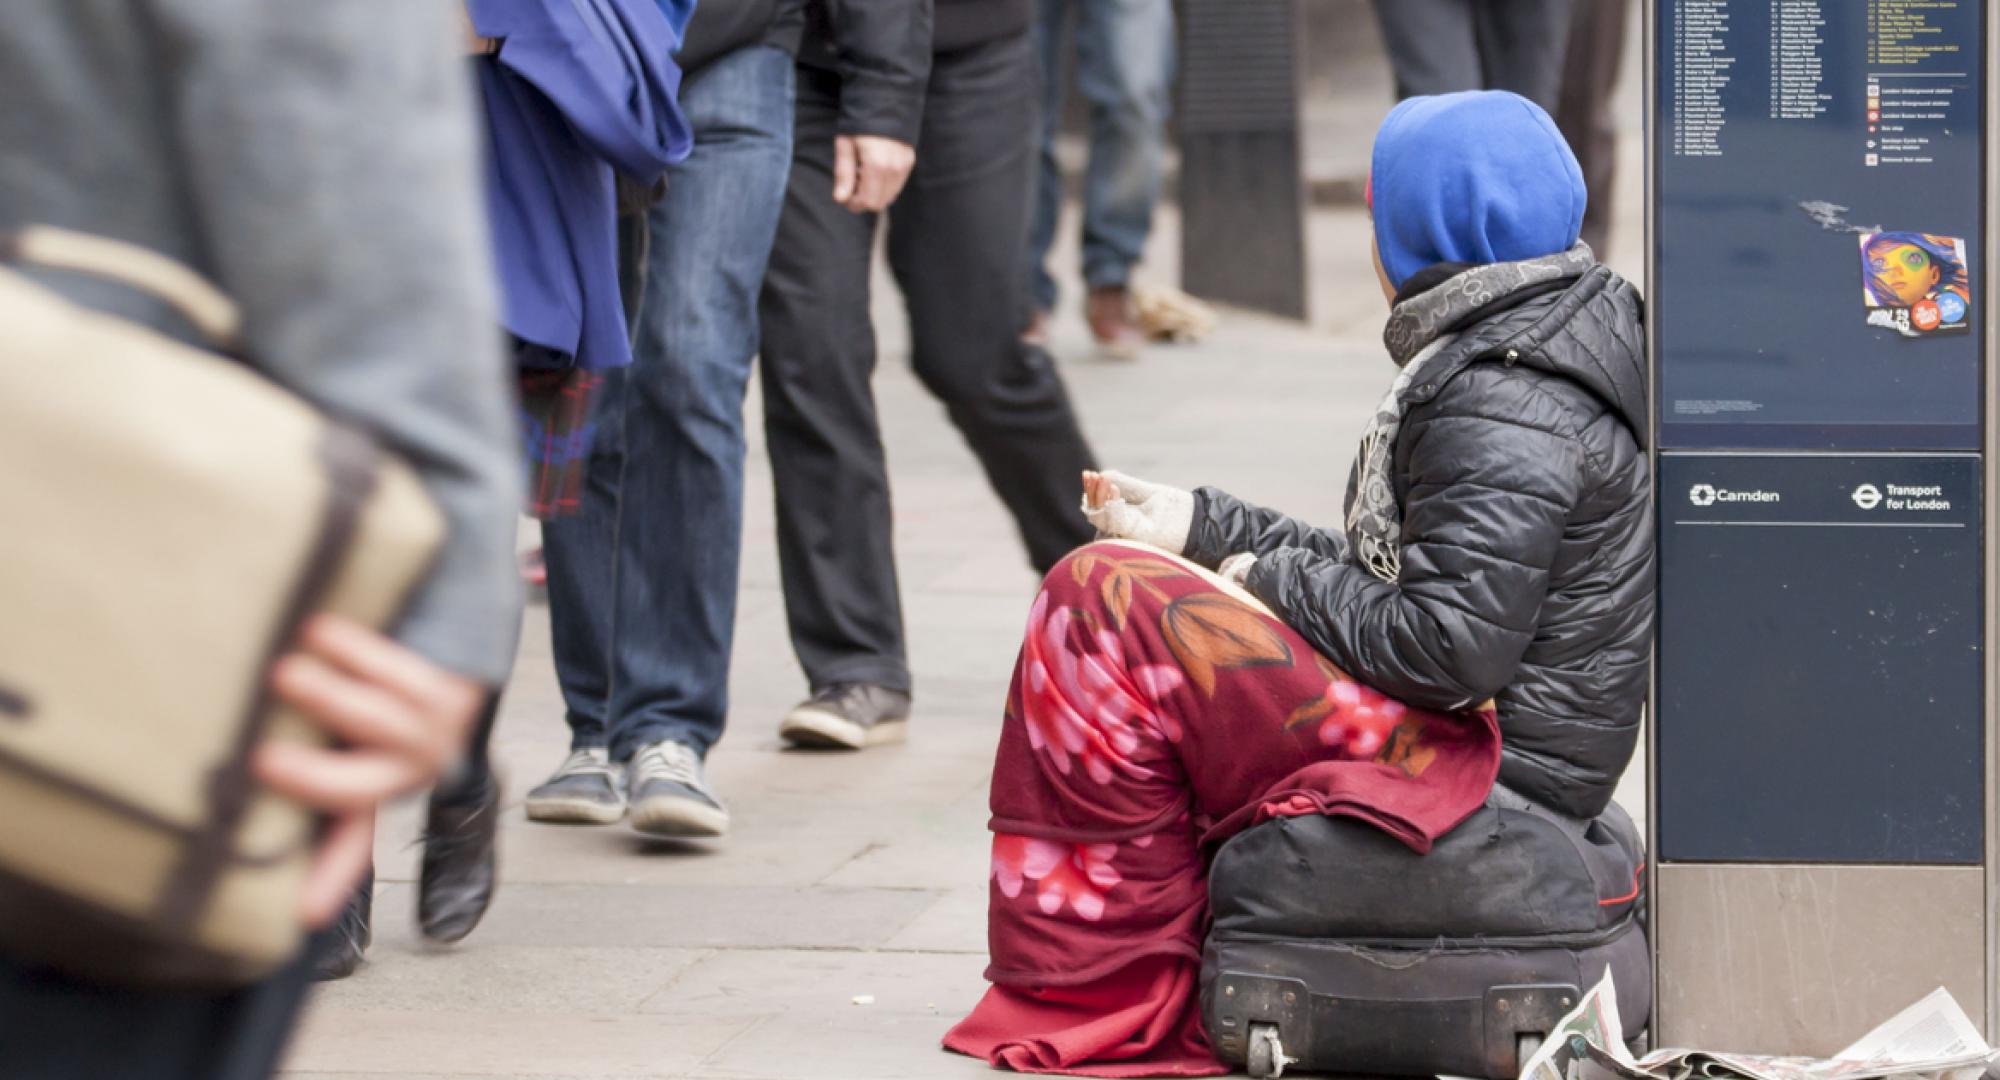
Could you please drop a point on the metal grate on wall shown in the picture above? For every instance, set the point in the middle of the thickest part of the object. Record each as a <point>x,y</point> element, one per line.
<point>1239,68</point>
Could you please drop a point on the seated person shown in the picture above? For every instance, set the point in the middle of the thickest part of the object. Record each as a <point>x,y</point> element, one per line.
<point>1486,612</point>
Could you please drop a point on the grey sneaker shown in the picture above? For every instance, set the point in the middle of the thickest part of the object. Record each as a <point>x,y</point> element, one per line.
<point>587,790</point>
<point>849,716</point>
<point>670,796</point>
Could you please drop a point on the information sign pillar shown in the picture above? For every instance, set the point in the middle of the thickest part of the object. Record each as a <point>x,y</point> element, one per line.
<point>1821,297</point>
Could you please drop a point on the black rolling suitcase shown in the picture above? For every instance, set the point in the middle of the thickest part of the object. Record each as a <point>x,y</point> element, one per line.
<point>1337,949</point>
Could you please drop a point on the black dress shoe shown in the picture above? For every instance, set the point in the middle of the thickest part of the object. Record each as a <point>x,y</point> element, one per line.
<point>338,949</point>
<point>456,883</point>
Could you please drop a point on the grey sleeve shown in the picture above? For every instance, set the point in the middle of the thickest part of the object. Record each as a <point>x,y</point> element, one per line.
<point>334,169</point>
<point>884,48</point>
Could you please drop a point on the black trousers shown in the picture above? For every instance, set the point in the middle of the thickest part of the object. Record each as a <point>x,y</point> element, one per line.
<point>956,242</point>
<point>53,1028</point>
<point>1590,78</point>
<point>1441,46</point>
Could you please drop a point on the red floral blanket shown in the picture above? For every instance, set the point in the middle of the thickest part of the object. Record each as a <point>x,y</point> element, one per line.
<point>1155,711</point>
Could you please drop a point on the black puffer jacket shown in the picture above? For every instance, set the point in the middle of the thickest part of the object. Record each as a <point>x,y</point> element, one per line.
<point>1527,559</point>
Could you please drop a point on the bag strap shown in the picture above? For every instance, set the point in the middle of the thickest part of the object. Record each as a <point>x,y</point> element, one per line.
<point>211,312</point>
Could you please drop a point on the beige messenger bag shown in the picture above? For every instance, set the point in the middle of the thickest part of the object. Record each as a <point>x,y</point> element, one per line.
<point>170,518</point>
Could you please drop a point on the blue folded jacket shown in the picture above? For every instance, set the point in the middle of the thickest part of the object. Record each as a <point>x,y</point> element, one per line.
<point>579,91</point>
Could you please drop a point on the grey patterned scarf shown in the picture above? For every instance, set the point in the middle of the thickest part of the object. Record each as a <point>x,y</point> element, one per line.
<point>1415,336</point>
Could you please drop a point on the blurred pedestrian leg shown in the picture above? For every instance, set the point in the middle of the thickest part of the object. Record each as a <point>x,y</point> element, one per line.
<point>642,582</point>
<point>1441,46</point>
<point>54,1028</point>
<point>459,870</point>
<point>1583,110</point>
<point>818,358</point>
<point>955,244</point>
<point>1124,69</point>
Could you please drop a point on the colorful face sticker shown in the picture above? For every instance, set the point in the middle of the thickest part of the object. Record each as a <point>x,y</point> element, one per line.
<point>1916,284</point>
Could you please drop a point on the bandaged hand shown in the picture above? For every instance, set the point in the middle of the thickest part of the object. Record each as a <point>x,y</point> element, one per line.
<point>1127,508</point>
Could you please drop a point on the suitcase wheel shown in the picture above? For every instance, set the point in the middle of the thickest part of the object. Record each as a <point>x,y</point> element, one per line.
<point>1267,1054</point>
<point>1525,1045</point>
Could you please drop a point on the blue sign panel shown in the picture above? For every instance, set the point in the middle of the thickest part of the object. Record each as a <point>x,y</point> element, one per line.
<point>1820,665</point>
<point>1819,229</point>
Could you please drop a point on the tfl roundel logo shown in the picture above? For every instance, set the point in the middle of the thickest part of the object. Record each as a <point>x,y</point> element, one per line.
<point>1702,495</point>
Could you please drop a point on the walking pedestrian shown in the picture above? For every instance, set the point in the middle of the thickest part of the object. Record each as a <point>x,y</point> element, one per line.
<point>576,96</point>
<point>1591,62</point>
<point>1441,46</point>
<point>966,98</point>
<point>642,581</point>
<point>318,162</point>
<point>1124,69</point>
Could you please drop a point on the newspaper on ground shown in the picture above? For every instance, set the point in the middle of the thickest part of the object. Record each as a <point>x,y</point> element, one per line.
<point>1932,1038</point>
<point>1591,1032</point>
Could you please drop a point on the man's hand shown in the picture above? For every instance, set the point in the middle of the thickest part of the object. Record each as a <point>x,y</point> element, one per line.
<point>869,171</point>
<point>399,720</point>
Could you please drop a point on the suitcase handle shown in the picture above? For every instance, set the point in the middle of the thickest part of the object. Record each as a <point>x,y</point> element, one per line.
<point>211,312</point>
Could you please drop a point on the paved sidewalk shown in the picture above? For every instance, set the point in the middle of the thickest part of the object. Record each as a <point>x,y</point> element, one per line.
<point>848,879</point>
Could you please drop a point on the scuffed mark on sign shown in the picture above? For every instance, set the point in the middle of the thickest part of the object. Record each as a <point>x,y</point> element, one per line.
<point>1829,216</point>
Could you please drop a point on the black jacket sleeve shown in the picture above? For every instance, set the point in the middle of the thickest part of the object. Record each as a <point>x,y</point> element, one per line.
<point>882,49</point>
<point>1225,525</point>
<point>1488,498</point>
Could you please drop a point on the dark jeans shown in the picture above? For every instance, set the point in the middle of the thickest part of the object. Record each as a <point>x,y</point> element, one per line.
<point>54,1029</point>
<point>1125,70</point>
<point>1441,46</point>
<point>956,238</point>
<point>642,582</point>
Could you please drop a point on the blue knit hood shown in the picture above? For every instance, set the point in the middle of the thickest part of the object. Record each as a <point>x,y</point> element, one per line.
<point>1475,177</point>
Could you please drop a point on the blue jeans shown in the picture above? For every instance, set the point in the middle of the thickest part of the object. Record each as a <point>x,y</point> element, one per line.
<point>1125,70</point>
<point>642,582</point>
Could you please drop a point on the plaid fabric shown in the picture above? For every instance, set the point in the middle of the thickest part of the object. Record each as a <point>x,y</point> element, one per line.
<point>557,429</point>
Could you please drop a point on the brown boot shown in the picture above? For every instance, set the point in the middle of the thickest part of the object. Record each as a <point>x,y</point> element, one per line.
<point>1037,333</point>
<point>1114,322</point>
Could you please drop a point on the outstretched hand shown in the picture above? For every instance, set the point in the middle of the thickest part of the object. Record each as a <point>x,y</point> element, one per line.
<point>1128,508</point>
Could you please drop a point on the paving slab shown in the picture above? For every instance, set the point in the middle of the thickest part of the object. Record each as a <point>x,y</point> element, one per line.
<point>699,916</point>
<point>955,922</point>
<point>860,987</point>
<point>935,856</point>
<point>379,1043</point>
<point>406,977</point>
<point>843,1050</point>
<point>318,1075</point>
<point>862,1014</point>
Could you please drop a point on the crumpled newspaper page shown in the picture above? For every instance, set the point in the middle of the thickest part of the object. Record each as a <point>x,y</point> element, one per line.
<point>1932,1038</point>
